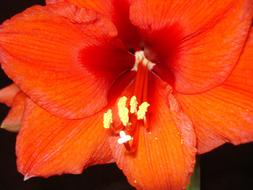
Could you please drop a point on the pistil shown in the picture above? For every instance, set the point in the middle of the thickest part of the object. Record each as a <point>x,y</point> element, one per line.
<point>132,114</point>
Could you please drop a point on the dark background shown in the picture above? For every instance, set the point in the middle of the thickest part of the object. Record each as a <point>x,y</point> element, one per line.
<point>226,168</point>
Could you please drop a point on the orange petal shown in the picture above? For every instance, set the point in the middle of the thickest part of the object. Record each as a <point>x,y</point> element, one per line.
<point>242,76</point>
<point>165,156</point>
<point>225,114</point>
<point>48,145</point>
<point>42,51</point>
<point>104,7</point>
<point>12,122</point>
<point>212,35</point>
<point>8,93</point>
<point>220,115</point>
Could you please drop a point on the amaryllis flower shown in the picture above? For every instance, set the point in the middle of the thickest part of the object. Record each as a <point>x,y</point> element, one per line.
<point>142,83</point>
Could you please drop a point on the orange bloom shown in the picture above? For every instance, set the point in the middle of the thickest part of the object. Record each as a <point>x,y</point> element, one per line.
<point>142,83</point>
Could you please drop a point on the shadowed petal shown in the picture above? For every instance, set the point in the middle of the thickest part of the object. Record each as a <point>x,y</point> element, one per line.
<point>165,156</point>
<point>42,51</point>
<point>48,145</point>
<point>12,121</point>
<point>8,93</point>
<point>211,37</point>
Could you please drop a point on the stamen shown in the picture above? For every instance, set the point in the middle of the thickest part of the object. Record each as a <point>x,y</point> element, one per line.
<point>149,64</point>
<point>143,108</point>
<point>140,58</point>
<point>124,137</point>
<point>123,111</point>
<point>107,119</point>
<point>131,112</point>
<point>133,105</point>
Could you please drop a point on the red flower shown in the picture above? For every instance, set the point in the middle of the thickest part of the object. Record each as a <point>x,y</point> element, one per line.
<point>127,81</point>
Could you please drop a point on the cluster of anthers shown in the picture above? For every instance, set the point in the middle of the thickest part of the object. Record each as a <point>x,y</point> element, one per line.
<point>128,118</point>
<point>132,113</point>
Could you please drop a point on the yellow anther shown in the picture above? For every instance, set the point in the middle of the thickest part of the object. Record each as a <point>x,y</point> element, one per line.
<point>133,104</point>
<point>124,137</point>
<point>123,111</point>
<point>122,102</point>
<point>143,108</point>
<point>107,119</point>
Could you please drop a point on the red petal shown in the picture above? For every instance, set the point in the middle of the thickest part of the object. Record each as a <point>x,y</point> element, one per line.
<point>48,145</point>
<point>224,114</point>
<point>42,52</point>
<point>8,93</point>
<point>12,122</point>
<point>165,156</point>
<point>205,56</point>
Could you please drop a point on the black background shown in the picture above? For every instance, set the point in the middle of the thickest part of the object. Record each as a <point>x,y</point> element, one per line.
<point>226,168</point>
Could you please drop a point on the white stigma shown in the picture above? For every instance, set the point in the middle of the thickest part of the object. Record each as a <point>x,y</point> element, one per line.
<point>124,137</point>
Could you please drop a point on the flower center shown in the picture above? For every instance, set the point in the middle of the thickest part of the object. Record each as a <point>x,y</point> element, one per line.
<point>132,112</point>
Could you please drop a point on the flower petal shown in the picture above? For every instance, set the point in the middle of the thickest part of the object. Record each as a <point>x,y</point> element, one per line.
<point>48,145</point>
<point>224,114</point>
<point>220,115</point>
<point>165,156</point>
<point>101,6</point>
<point>42,51</point>
<point>53,1</point>
<point>8,93</point>
<point>212,35</point>
<point>12,121</point>
<point>118,13</point>
<point>242,76</point>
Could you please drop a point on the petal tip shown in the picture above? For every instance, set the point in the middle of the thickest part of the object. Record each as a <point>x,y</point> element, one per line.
<point>27,176</point>
<point>10,128</point>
